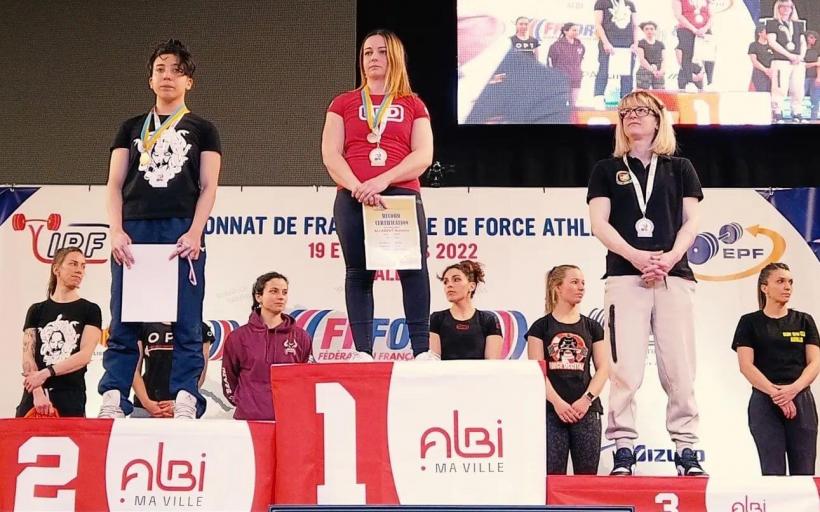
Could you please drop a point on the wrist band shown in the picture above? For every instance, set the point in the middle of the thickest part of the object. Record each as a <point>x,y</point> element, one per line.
<point>589,396</point>
<point>51,370</point>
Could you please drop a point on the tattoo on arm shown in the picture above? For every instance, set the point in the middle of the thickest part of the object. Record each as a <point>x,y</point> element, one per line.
<point>28,349</point>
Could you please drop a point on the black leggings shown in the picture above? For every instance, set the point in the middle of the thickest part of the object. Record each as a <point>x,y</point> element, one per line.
<point>778,439</point>
<point>415,284</point>
<point>69,402</point>
<point>581,440</point>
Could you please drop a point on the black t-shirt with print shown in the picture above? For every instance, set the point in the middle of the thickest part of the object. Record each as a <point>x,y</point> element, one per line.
<point>524,45</point>
<point>157,353</point>
<point>812,54</point>
<point>617,22</point>
<point>464,339</point>
<point>675,178</point>
<point>763,52</point>
<point>653,52</point>
<point>568,352</point>
<point>781,29</point>
<point>58,329</point>
<point>779,344</point>
<point>169,187</point>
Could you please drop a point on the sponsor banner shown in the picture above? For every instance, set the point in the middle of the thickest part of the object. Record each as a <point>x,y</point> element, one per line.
<point>518,234</point>
<point>455,432</point>
<point>710,494</point>
<point>76,464</point>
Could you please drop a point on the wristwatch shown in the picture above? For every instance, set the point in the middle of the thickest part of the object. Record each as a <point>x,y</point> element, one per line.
<point>589,396</point>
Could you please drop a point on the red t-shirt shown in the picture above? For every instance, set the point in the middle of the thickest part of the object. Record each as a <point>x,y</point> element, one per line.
<point>688,11</point>
<point>395,139</point>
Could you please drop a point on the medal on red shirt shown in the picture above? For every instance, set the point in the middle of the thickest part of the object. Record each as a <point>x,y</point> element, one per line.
<point>375,121</point>
<point>698,5</point>
<point>378,157</point>
<point>644,227</point>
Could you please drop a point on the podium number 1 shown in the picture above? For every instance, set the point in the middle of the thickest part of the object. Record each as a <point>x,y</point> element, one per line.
<point>339,410</point>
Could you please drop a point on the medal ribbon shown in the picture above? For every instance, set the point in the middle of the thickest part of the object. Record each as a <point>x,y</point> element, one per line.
<point>650,183</point>
<point>171,122</point>
<point>375,122</point>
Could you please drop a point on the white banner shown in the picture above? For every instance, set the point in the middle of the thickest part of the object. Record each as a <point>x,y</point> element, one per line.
<point>518,234</point>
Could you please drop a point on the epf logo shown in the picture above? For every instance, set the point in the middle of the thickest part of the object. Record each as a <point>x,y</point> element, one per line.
<point>89,237</point>
<point>731,254</point>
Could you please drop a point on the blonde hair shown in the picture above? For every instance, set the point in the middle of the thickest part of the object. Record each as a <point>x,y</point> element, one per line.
<point>664,142</point>
<point>554,279</point>
<point>397,82</point>
<point>777,5</point>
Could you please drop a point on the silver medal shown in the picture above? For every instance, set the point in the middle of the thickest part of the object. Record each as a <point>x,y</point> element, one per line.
<point>699,18</point>
<point>644,228</point>
<point>373,137</point>
<point>791,46</point>
<point>378,157</point>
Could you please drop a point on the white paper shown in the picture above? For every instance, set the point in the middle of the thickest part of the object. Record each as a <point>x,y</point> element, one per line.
<point>705,49</point>
<point>391,236</point>
<point>620,62</point>
<point>149,287</point>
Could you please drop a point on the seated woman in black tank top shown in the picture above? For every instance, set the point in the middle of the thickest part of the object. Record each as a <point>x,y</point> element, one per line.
<point>462,331</point>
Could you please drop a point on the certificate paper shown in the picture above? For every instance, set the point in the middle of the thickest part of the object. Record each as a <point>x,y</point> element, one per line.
<point>620,62</point>
<point>705,49</point>
<point>391,235</point>
<point>149,287</point>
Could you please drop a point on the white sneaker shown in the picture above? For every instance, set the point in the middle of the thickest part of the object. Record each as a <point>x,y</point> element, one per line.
<point>360,357</point>
<point>111,405</point>
<point>598,103</point>
<point>427,356</point>
<point>185,406</point>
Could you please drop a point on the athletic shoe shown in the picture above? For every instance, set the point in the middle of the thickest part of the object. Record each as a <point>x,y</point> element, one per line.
<point>798,119</point>
<point>427,356</point>
<point>624,462</point>
<point>778,119</point>
<point>687,464</point>
<point>111,405</point>
<point>185,406</point>
<point>360,357</point>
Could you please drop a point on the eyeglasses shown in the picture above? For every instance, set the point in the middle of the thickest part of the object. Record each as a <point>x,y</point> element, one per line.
<point>638,111</point>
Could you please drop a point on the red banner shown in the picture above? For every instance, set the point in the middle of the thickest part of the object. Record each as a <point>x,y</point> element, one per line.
<point>455,432</point>
<point>82,464</point>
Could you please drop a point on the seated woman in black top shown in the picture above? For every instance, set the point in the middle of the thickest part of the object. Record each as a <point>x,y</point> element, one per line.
<point>463,332</point>
<point>567,339</point>
<point>779,354</point>
<point>59,337</point>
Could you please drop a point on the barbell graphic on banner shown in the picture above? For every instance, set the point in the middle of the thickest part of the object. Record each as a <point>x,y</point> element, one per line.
<point>19,221</point>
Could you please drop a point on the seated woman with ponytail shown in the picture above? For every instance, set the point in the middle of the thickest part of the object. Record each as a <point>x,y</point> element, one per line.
<point>462,331</point>
<point>269,337</point>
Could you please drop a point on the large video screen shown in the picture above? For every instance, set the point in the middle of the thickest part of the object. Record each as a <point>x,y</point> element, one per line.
<point>712,62</point>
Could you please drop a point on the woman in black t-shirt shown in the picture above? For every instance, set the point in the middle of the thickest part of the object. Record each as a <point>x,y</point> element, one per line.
<point>59,336</point>
<point>462,331</point>
<point>567,339</point>
<point>761,56</point>
<point>778,350</point>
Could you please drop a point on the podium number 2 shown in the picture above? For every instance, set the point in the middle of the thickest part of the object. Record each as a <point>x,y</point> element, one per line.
<point>32,476</point>
<point>339,410</point>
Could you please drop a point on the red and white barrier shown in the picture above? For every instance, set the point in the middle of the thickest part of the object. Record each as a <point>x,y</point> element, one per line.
<point>79,464</point>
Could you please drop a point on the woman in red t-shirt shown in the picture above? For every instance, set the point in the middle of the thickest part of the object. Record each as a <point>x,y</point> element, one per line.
<point>694,20</point>
<point>376,142</point>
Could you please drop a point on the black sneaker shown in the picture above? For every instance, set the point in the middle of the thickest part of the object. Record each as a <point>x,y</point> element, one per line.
<point>624,462</point>
<point>687,464</point>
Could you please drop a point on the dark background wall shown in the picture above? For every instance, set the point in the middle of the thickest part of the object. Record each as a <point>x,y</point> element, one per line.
<point>267,70</point>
